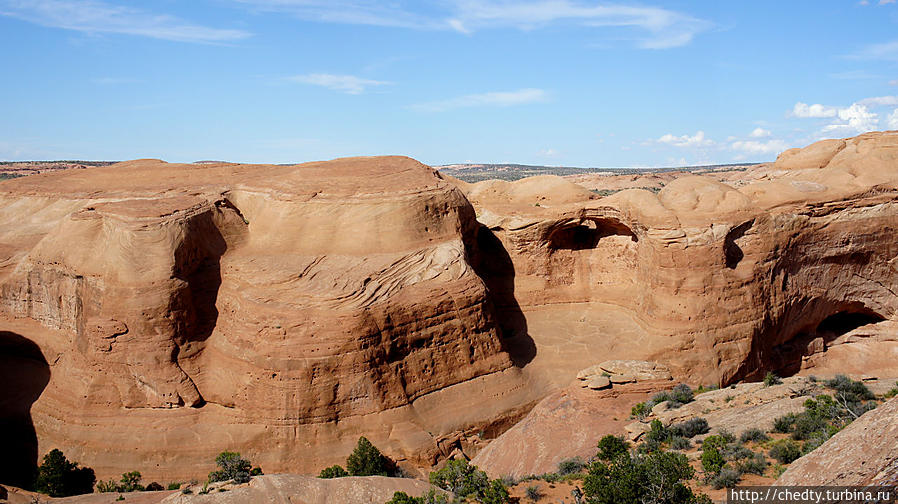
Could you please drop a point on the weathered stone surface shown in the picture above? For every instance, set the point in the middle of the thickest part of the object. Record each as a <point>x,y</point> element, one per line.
<point>864,453</point>
<point>598,382</point>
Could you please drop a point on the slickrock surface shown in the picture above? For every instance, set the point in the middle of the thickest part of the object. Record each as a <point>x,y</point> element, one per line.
<point>864,453</point>
<point>182,310</point>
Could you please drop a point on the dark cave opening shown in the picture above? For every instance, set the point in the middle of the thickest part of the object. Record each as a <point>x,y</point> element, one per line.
<point>804,330</point>
<point>844,322</point>
<point>587,234</point>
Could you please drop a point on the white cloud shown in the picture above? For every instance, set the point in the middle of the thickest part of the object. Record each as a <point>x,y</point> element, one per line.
<point>759,133</point>
<point>759,147</point>
<point>879,101</point>
<point>96,17</point>
<point>548,153</point>
<point>816,110</point>
<point>658,28</point>
<point>697,140</point>
<point>892,121</point>
<point>349,84</point>
<point>856,119</point>
<point>493,99</point>
<point>886,2</point>
<point>893,82</point>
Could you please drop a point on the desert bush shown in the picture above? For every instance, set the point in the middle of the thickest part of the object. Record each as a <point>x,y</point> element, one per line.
<point>174,485</point>
<point>656,478</point>
<point>771,379</point>
<point>571,466</point>
<point>58,477</point>
<point>756,464</point>
<point>726,478</point>
<point>735,451</point>
<point>466,481</point>
<point>640,411</point>
<point>612,447</point>
<point>231,467</point>
<point>657,432</point>
<point>534,493</point>
<point>712,460</point>
<point>154,487</point>
<point>690,428</point>
<point>678,396</point>
<point>702,389</point>
<point>784,423</point>
<point>728,437</point>
<point>107,486</point>
<point>367,460</point>
<point>850,390</point>
<point>334,471</point>
<point>785,451</point>
<point>130,482</point>
<point>753,434</point>
<point>680,443</point>
<point>403,498</point>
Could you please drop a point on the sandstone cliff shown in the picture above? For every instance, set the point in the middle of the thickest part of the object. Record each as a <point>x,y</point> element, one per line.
<point>281,311</point>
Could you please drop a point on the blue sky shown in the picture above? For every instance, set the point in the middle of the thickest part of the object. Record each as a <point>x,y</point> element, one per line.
<point>558,82</point>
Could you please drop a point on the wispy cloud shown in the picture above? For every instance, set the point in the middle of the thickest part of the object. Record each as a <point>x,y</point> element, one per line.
<point>493,99</point>
<point>697,140</point>
<point>656,27</point>
<point>759,133</point>
<point>759,147</point>
<point>879,101</point>
<point>349,84</point>
<point>887,51</point>
<point>854,75</point>
<point>95,17</point>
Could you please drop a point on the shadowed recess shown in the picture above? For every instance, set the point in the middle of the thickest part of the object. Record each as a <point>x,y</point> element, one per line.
<point>24,373</point>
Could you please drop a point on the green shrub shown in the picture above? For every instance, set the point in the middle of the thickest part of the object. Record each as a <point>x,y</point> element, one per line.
<point>107,486</point>
<point>130,482</point>
<point>173,485</point>
<point>334,471</point>
<point>728,437</point>
<point>232,467</point>
<point>403,498</point>
<point>852,391</point>
<point>462,479</point>
<point>771,379</point>
<point>612,447</point>
<point>57,477</point>
<point>656,478</point>
<point>726,478</point>
<point>756,464</point>
<point>680,443</point>
<point>678,396</point>
<point>785,451</point>
<point>753,434</point>
<point>784,423</point>
<point>702,389</point>
<point>534,493</point>
<point>657,432</point>
<point>154,487</point>
<point>257,471</point>
<point>690,428</point>
<point>571,466</point>
<point>712,460</point>
<point>367,460</point>
<point>640,411</point>
<point>735,451</point>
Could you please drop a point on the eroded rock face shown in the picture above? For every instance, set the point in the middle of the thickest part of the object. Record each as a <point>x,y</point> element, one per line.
<point>719,281</point>
<point>187,309</point>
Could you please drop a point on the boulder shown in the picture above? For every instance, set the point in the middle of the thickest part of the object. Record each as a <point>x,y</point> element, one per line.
<point>598,382</point>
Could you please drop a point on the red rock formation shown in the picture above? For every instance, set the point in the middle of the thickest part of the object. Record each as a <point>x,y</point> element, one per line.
<point>189,309</point>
